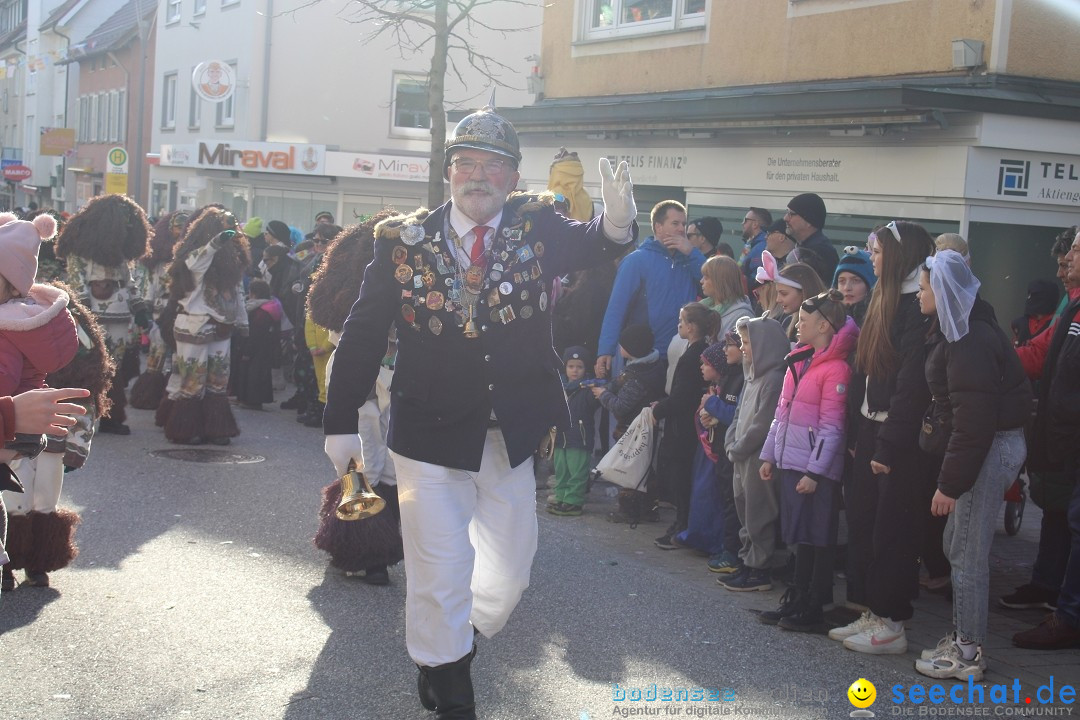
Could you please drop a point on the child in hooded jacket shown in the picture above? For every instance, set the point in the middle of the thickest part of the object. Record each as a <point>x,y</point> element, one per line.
<point>639,384</point>
<point>764,345</point>
<point>573,445</point>
<point>37,333</point>
<point>721,365</point>
<point>806,444</point>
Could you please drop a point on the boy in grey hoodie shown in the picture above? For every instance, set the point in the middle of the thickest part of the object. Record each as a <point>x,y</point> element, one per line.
<point>764,346</point>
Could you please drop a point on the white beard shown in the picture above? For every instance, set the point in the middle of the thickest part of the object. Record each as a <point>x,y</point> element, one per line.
<point>479,207</point>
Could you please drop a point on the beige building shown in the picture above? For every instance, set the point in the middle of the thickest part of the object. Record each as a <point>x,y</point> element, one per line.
<point>963,115</point>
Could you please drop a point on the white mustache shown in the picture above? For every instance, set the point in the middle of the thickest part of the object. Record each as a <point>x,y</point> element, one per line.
<point>481,185</point>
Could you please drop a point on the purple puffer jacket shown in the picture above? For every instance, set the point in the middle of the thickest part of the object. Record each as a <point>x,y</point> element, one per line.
<point>807,433</point>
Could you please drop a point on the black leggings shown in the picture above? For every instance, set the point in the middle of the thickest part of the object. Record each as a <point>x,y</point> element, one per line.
<point>883,569</point>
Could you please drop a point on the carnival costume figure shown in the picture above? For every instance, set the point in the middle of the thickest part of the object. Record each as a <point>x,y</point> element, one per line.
<point>41,534</point>
<point>152,282</point>
<point>362,548</point>
<point>99,245</point>
<point>476,387</point>
<point>205,280</point>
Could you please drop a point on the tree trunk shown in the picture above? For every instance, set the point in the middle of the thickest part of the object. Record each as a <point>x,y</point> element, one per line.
<point>436,96</point>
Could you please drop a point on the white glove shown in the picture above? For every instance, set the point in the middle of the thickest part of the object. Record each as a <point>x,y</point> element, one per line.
<point>618,192</point>
<point>343,448</point>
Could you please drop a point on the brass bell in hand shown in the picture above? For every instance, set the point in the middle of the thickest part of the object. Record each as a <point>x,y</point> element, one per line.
<point>358,500</point>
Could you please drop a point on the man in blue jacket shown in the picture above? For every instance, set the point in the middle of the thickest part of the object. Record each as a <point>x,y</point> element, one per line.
<point>652,284</point>
<point>476,387</point>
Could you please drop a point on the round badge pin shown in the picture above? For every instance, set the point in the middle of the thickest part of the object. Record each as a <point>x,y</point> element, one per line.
<point>498,267</point>
<point>506,288</point>
<point>434,301</point>
<point>538,249</point>
<point>408,313</point>
<point>524,294</point>
<point>495,276</point>
<point>412,234</point>
<point>403,274</point>
<point>526,312</point>
<point>543,301</point>
<point>434,325</point>
<point>399,255</point>
<point>494,316</point>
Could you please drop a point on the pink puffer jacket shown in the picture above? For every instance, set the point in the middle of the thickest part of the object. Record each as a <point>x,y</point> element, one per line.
<point>807,433</point>
<point>37,337</point>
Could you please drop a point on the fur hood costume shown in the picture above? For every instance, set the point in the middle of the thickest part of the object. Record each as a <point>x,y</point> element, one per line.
<point>336,284</point>
<point>110,231</point>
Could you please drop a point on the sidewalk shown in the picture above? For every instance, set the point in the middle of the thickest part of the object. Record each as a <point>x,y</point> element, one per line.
<point>1010,566</point>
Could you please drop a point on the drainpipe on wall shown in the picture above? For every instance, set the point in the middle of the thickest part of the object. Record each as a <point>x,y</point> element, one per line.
<point>144,30</point>
<point>62,180</point>
<point>264,119</point>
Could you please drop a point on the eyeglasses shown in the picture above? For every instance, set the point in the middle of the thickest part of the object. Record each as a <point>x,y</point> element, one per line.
<point>467,166</point>
<point>747,220</point>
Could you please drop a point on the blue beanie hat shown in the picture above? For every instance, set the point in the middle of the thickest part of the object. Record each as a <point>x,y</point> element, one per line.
<point>577,352</point>
<point>857,262</point>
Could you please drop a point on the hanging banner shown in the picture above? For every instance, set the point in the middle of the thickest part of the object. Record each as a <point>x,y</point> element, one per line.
<point>56,141</point>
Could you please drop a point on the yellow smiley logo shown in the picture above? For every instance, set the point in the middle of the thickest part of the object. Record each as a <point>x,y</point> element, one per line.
<point>862,693</point>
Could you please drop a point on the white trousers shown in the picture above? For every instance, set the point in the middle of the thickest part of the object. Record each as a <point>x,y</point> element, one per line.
<point>42,479</point>
<point>469,542</point>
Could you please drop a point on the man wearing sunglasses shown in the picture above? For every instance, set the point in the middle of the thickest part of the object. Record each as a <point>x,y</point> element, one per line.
<point>805,218</point>
<point>476,387</point>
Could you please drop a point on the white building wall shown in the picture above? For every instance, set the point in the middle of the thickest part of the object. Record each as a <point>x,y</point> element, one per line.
<point>323,86</point>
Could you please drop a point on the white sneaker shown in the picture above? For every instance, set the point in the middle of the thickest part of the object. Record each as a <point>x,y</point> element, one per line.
<point>942,645</point>
<point>950,663</point>
<point>866,621</point>
<point>879,640</point>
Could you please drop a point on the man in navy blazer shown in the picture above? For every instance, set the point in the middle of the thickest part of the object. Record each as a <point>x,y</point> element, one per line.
<point>476,386</point>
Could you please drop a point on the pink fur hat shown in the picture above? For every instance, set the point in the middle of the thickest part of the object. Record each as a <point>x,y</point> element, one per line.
<point>19,242</point>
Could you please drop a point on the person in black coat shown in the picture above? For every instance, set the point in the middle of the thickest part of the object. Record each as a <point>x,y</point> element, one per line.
<point>883,496</point>
<point>476,387</point>
<point>676,453</point>
<point>981,402</point>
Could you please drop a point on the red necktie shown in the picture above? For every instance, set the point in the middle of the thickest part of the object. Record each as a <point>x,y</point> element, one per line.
<point>476,255</point>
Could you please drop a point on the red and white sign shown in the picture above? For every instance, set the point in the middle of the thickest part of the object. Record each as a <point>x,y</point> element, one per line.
<point>16,173</point>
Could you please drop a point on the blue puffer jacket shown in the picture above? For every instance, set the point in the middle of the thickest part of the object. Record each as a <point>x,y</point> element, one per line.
<point>650,287</point>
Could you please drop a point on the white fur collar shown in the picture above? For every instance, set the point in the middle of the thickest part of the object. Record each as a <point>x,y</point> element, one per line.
<point>42,304</point>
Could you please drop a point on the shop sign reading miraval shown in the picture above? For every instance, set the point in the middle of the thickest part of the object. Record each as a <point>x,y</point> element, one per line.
<point>1024,177</point>
<point>409,168</point>
<point>289,158</point>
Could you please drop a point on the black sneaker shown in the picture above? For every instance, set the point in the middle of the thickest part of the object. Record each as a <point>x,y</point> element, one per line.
<point>296,402</point>
<point>565,510</point>
<point>808,619</point>
<point>791,602</point>
<point>732,577</point>
<point>752,580</point>
<point>1028,597</point>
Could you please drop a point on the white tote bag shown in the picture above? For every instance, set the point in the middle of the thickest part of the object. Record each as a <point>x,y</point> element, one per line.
<point>627,462</point>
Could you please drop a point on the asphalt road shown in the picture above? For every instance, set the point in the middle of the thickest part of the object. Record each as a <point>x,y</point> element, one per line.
<point>198,594</point>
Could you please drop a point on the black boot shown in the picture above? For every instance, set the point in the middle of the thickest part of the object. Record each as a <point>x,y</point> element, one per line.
<point>791,602</point>
<point>809,619</point>
<point>447,689</point>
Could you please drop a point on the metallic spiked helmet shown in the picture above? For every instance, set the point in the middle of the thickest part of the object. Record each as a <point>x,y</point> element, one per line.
<point>486,130</point>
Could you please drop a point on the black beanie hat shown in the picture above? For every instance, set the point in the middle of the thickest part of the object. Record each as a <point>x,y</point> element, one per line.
<point>711,228</point>
<point>280,231</point>
<point>811,207</point>
<point>637,340</point>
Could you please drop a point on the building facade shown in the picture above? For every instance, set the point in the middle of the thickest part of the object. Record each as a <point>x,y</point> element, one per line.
<point>319,118</point>
<point>962,116</point>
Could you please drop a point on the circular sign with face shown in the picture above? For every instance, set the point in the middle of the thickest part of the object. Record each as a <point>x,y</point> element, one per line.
<point>214,80</point>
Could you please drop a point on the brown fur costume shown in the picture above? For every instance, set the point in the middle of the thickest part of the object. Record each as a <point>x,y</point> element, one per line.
<point>229,262</point>
<point>336,284</point>
<point>186,419</point>
<point>111,230</point>
<point>360,544</point>
<point>42,542</point>
<point>92,368</point>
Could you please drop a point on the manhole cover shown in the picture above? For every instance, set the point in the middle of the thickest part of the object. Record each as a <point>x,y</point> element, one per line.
<point>199,455</point>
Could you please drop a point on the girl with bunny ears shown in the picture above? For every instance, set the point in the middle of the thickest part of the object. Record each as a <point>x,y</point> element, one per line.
<point>791,285</point>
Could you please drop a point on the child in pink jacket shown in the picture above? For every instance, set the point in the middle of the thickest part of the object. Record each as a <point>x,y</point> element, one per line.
<point>806,444</point>
<point>37,333</point>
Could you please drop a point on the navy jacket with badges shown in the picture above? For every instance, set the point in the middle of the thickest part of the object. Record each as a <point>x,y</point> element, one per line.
<point>447,385</point>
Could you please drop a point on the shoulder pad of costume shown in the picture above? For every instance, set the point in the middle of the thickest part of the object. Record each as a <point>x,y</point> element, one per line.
<point>391,227</point>
<point>530,202</point>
